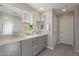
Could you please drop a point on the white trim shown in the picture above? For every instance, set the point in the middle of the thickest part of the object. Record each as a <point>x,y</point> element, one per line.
<point>50,48</point>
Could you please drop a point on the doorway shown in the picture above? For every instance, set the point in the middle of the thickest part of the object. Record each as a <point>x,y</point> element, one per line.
<point>66,29</point>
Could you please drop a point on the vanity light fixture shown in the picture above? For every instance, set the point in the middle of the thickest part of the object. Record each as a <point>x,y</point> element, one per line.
<point>41,8</point>
<point>63,10</point>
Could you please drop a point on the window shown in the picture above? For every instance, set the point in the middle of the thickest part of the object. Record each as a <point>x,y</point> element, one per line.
<point>27,17</point>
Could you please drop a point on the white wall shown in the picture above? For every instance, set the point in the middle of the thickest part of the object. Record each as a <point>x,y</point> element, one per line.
<point>55,28</point>
<point>48,15</point>
<point>76,28</point>
<point>51,18</point>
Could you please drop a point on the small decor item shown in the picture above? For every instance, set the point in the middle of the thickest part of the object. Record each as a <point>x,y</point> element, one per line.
<point>30,29</point>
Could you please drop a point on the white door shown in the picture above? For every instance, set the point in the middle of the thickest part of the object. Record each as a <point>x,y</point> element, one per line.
<point>66,29</point>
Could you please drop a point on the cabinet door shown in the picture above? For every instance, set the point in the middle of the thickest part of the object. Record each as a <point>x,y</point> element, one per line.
<point>27,47</point>
<point>39,43</point>
<point>42,42</point>
<point>35,44</point>
<point>12,49</point>
<point>45,41</point>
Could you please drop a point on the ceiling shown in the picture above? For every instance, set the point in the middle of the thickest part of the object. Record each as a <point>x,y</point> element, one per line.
<point>57,6</point>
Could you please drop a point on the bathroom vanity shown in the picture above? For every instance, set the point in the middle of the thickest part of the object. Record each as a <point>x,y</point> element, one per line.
<point>23,45</point>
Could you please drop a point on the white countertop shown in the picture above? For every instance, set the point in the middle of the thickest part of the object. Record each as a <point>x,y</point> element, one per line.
<point>10,39</point>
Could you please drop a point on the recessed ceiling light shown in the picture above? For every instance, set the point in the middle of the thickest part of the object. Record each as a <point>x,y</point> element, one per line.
<point>41,8</point>
<point>63,10</point>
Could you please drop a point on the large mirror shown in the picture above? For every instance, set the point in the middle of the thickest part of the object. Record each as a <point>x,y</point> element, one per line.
<point>10,20</point>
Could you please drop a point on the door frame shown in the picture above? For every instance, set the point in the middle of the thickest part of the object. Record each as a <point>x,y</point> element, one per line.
<point>71,13</point>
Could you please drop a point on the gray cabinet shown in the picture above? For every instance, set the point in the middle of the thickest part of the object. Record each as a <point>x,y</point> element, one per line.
<point>26,47</point>
<point>11,49</point>
<point>39,43</point>
<point>45,41</point>
<point>35,45</point>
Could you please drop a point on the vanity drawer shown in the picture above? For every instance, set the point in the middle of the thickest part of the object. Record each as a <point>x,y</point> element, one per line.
<point>35,47</point>
<point>36,51</point>
<point>35,41</point>
<point>35,38</point>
